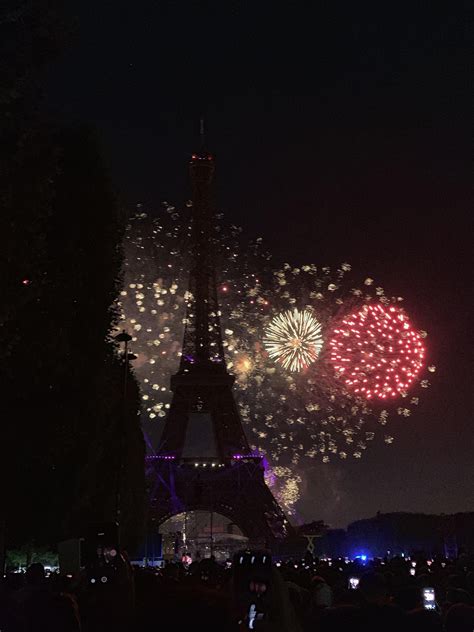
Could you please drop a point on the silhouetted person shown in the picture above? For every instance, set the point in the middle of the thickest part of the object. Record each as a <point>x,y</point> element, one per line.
<point>373,588</point>
<point>377,611</point>
<point>408,598</point>
<point>421,620</point>
<point>64,615</point>
<point>34,602</point>
<point>460,618</point>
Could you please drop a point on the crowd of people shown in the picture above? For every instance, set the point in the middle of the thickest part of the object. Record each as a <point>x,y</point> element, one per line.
<point>250,592</point>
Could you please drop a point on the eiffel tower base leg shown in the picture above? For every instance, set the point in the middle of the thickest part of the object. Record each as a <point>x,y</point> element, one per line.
<point>236,490</point>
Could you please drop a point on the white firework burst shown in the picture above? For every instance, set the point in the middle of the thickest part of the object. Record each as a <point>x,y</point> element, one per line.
<point>294,339</point>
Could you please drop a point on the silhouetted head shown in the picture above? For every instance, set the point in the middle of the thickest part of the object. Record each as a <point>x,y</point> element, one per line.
<point>35,574</point>
<point>421,620</point>
<point>373,587</point>
<point>460,618</point>
<point>408,597</point>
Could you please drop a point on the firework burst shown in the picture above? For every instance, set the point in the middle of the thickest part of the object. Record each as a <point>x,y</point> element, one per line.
<point>376,352</point>
<point>294,339</point>
<point>291,416</point>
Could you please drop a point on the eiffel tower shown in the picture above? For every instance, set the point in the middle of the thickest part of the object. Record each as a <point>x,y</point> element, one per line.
<point>204,461</point>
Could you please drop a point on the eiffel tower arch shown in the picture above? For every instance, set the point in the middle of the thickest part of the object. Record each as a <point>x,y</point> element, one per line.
<point>204,461</point>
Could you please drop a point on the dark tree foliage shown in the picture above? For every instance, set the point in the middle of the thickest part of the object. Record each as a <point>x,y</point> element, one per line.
<point>65,418</point>
<point>31,35</point>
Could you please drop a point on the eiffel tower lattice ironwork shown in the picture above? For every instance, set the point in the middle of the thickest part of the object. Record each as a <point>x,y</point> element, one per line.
<point>204,461</point>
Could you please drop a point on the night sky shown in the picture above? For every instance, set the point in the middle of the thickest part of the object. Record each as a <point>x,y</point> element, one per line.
<point>341,134</point>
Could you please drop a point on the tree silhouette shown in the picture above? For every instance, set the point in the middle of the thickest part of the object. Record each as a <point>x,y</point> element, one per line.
<point>60,268</point>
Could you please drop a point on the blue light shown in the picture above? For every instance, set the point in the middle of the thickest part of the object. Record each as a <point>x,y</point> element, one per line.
<point>362,557</point>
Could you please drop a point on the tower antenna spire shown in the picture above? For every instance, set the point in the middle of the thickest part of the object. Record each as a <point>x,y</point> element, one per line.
<point>201,133</point>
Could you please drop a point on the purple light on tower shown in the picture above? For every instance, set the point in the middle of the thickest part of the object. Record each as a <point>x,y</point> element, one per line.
<point>269,474</point>
<point>253,455</point>
<point>162,457</point>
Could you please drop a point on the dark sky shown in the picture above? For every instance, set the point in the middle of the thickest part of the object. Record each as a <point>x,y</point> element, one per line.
<point>341,134</point>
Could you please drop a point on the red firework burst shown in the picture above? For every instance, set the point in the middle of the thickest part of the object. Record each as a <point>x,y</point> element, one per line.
<point>376,352</point>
